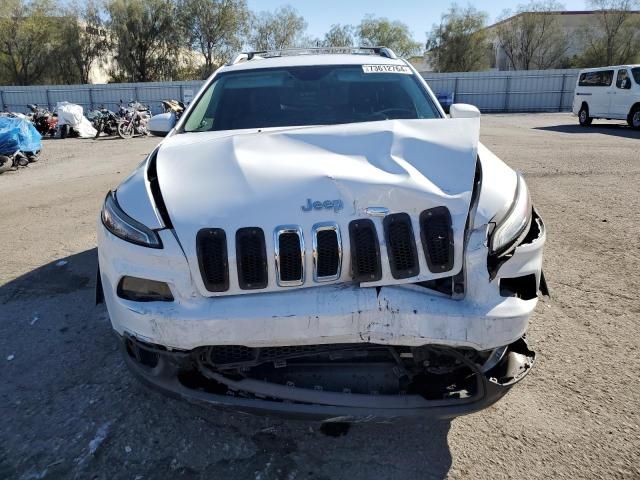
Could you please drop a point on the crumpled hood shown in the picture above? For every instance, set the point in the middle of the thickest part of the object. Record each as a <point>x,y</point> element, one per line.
<point>231,180</point>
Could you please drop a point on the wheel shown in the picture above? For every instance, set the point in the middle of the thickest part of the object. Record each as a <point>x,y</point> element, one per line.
<point>583,116</point>
<point>125,130</point>
<point>634,118</point>
<point>22,160</point>
<point>6,163</point>
<point>98,128</point>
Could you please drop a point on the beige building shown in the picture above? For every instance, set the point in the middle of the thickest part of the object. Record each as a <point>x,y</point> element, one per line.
<point>571,23</point>
<point>101,69</point>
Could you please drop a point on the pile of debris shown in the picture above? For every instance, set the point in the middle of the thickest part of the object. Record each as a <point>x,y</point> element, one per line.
<point>20,143</point>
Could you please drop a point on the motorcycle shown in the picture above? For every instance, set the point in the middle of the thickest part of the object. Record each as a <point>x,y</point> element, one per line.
<point>44,121</point>
<point>105,121</point>
<point>15,160</point>
<point>173,106</point>
<point>134,121</point>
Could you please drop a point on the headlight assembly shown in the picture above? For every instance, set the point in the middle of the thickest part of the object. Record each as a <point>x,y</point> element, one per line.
<point>125,227</point>
<point>511,228</point>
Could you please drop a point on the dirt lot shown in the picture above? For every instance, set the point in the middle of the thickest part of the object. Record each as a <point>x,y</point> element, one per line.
<point>70,409</point>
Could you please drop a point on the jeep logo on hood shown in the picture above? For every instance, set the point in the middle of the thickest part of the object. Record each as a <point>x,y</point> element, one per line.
<point>336,205</point>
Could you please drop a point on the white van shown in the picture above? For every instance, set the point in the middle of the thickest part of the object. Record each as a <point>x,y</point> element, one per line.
<point>608,92</point>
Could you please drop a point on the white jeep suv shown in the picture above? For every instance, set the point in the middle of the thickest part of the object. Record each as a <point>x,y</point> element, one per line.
<point>316,237</point>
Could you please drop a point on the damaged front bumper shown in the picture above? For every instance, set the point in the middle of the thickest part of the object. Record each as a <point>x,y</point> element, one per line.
<point>488,317</point>
<point>353,382</point>
<point>333,352</point>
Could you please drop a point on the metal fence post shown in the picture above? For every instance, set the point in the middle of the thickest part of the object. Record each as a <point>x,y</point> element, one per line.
<point>564,80</point>
<point>2,99</point>
<point>48,99</point>
<point>507,92</point>
<point>91,98</point>
<point>181,92</point>
<point>455,90</point>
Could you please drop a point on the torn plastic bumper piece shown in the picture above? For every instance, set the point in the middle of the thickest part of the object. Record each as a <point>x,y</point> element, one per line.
<point>174,373</point>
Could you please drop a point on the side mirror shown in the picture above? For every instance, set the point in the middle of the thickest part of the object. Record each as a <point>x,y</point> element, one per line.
<point>160,125</point>
<point>463,110</point>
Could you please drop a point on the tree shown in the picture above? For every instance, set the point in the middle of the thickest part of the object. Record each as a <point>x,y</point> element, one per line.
<point>146,38</point>
<point>459,43</point>
<point>27,31</point>
<point>338,36</point>
<point>83,41</point>
<point>533,38</point>
<point>216,28</point>
<point>615,38</point>
<point>281,29</point>
<point>383,32</point>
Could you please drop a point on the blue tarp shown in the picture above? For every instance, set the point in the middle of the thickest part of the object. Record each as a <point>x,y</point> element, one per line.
<point>18,134</point>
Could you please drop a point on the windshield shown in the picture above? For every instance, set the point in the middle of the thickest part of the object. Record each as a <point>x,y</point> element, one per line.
<point>636,74</point>
<point>317,95</point>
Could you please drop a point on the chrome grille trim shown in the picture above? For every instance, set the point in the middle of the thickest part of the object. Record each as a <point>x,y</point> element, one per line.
<point>282,229</point>
<point>320,227</point>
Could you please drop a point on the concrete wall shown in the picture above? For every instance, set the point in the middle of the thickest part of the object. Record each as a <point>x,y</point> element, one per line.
<point>520,91</point>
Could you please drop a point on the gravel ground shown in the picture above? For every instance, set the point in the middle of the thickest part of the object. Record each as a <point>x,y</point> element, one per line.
<point>70,409</point>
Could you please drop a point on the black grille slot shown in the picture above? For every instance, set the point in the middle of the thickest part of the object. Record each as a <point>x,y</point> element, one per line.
<point>365,251</point>
<point>231,354</point>
<point>211,247</point>
<point>328,253</point>
<point>251,257</point>
<point>221,355</point>
<point>289,257</point>
<point>437,238</point>
<point>401,246</point>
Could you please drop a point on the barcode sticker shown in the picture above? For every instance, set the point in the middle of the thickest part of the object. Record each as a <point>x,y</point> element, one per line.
<point>403,69</point>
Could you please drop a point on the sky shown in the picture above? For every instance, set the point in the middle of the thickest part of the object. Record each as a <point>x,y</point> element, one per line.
<point>419,15</point>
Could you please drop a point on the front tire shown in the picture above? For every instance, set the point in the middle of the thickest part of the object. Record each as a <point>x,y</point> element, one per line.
<point>6,163</point>
<point>98,128</point>
<point>634,118</point>
<point>125,130</point>
<point>583,116</point>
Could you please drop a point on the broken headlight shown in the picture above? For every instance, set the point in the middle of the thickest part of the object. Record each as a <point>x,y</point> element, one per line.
<point>511,228</point>
<point>125,227</point>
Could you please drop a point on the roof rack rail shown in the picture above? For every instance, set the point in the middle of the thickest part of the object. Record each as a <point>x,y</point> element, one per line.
<point>286,52</point>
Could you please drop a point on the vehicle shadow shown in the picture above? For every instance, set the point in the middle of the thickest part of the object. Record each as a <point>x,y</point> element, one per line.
<point>74,410</point>
<point>616,130</point>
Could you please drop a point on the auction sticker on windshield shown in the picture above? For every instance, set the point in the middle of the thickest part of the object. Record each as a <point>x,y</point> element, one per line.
<point>387,69</point>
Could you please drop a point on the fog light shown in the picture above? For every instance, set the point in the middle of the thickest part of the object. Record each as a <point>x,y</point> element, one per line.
<point>143,290</point>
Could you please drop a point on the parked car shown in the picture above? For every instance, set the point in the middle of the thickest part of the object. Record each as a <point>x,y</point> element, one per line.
<point>608,92</point>
<point>316,237</point>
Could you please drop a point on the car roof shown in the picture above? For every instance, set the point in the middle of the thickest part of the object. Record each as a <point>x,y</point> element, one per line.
<point>311,60</point>
<point>610,67</point>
